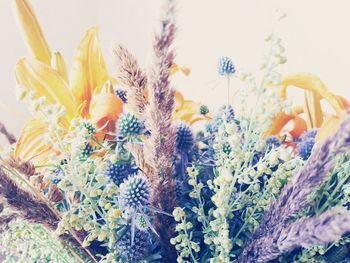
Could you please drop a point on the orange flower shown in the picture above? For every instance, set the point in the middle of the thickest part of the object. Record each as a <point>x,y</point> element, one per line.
<point>314,91</point>
<point>82,96</point>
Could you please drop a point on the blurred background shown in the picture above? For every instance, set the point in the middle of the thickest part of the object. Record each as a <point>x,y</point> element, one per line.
<point>315,35</point>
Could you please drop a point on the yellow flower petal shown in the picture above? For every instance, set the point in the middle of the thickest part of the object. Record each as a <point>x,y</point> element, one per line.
<point>31,31</point>
<point>89,71</point>
<point>330,125</point>
<point>179,100</point>
<point>313,109</point>
<point>30,144</point>
<point>44,81</point>
<point>175,69</point>
<point>59,65</point>
<point>311,82</point>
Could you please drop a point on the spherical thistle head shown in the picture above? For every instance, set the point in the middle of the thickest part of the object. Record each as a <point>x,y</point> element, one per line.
<point>226,148</point>
<point>272,142</point>
<point>309,134</point>
<point>184,138</point>
<point>203,109</point>
<point>91,130</point>
<point>226,66</point>
<point>135,192</point>
<point>305,148</point>
<point>86,151</point>
<point>121,94</point>
<point>138,249</point>
<point>128,125</point>
<point>120,171</point>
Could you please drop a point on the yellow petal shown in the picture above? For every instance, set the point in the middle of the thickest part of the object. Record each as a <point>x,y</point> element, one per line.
<point>330,125</point>
<point>313,109</point>
<point>45,81</point>
<point>31,31</point>
<point>311,82</point>
<point>89,71</point>
<point>186,112</point>
<point>31,144</point>
<point>175,69</point>
<point>179,100</point>
<point>58,64</point>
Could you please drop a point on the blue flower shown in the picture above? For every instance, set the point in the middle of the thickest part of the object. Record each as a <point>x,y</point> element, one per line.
<point>129,125</point>
<point>272,142</point>
<point>184,138</point>
<point>122,95</point>
<point>226,66</point>
<point>138,249</point>
<point>305,147</point>
<point>135,192</point>
<point>118,172</point>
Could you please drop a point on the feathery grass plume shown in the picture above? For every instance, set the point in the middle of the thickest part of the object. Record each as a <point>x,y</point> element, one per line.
<point>9,136</point>
<point>294,196</point>
<point>306,232</point>
<point>33,208</point>
<point>132,76</point>
<point>159,148</point>
<point>319,230</point>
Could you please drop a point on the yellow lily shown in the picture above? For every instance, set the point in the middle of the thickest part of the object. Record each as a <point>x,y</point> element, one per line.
<point>84,95</point>
<point>187,110</point>
<point>314,91</point>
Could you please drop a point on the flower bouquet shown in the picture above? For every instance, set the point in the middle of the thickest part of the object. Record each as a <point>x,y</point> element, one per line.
<point>111,169</point>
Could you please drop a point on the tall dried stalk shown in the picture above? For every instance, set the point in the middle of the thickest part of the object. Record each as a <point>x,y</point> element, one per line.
<point>33,207</point>
<point>294,196</point>
<point>9,136</point>
<point>133,78</point>
<point>159,148</point>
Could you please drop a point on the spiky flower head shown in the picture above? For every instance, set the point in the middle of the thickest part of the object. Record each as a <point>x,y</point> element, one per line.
<point>305,147</point>
<point>135,192</point>
<point>90,129</point>
<point>203,109</point>
<point>128,125</point>
<point>86,151</point>
<point>136,248</point>
<point>184,138</point>
<point>119,171</point>
<point>122,95</point>
<point>272,142</point>
<point>226,148</point>
<point>226,66</point>
<point>309,134</point>
<point>141,222</point>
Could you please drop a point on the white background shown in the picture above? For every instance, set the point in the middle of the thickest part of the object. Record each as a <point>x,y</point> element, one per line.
<point>315,33</point>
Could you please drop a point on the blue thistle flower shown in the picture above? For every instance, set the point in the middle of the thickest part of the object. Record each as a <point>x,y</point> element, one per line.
<point>184,138</point>
<point>226,66</point>
<point>138,249</point>
<point>129,125</point>
<point>203,109</point>
<point>309,134</point>
<point>135,192</point>
<point>272,142</point>
<point>118,172</point>
<point>86,152</point>
<point>226,148</point>
<point>89,127</point>
<point>121,94</point>
<point>305,147</point>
